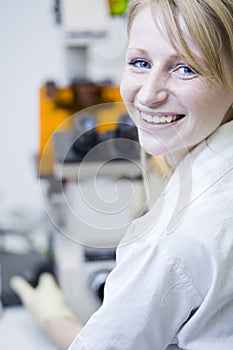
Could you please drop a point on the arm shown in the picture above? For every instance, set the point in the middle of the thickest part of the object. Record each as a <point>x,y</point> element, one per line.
<point>62,331</point>
<point>47,304</point>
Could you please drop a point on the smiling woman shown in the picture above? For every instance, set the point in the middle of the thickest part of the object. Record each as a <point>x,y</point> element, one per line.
<point>172,284</point>
<point>169,88</point>
<point>209,24</point>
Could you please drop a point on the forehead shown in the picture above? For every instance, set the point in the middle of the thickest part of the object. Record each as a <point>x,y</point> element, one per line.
<point>149,26</point>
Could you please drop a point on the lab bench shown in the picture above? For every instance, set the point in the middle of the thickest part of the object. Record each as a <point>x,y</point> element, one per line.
<point>18,330</point>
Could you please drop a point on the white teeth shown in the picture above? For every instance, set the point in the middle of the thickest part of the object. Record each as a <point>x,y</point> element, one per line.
<point>163,119</point>
<point>157,119</point>
<point>169,119</point>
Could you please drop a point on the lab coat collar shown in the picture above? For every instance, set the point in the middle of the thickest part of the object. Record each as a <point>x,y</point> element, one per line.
<point>199,172</point>
<point>222,138</point>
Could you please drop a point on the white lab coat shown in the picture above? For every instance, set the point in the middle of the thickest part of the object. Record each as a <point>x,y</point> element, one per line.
<point>173,282</point>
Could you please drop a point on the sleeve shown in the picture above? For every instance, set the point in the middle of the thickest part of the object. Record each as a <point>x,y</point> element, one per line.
<point>147,299</point>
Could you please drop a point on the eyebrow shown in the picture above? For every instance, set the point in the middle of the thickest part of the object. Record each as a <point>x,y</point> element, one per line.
<point>143,51</point>
<point>137,49</point>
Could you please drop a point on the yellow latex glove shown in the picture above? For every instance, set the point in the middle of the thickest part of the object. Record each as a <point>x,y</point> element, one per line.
<point>45,302</point>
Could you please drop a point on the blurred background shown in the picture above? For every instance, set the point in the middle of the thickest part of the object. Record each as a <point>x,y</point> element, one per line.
<point>35,48</point>
<point>59,60</point>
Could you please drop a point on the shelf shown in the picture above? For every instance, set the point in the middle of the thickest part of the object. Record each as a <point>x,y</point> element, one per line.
<point>114,169</point>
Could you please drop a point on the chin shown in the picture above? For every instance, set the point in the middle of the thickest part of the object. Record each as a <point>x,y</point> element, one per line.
<point>153,147</point>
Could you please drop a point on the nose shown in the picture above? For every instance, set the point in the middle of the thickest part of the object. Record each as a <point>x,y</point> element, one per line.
<point>153,90</point>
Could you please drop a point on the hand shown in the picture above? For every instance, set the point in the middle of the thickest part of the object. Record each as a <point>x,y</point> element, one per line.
<point>45,302</point>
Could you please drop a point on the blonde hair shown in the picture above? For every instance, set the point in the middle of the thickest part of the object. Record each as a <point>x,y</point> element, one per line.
<point>210,23</point>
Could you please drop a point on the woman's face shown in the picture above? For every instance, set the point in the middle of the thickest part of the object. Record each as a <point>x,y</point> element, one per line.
<point>173,106</point>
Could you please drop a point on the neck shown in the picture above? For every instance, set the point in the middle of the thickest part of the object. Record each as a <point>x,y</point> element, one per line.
<point>173,159</point>
<point>229,115</point>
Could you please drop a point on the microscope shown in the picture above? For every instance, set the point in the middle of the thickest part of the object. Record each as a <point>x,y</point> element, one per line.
<point>98,192</point>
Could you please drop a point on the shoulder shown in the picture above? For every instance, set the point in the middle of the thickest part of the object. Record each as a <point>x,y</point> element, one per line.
<point>202,241</point>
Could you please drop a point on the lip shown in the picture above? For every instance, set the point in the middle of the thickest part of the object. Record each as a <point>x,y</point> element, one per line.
<point>157,127</point>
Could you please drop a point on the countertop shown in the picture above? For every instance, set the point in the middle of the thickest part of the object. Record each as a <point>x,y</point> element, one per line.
<point>19,331</point>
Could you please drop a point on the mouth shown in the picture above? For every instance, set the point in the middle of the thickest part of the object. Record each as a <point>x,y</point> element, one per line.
<point>165,119</point>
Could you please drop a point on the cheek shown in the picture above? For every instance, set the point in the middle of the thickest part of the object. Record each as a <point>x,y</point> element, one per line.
<point>127,93</point>
<point>129,87</point>
<point>213,102</point>
<point>125,90</point>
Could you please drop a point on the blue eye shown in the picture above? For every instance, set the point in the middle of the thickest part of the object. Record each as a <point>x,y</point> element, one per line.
<point>141,64</point>
<point>186,70</point>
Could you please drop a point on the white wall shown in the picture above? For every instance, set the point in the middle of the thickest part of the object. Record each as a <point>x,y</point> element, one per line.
<point>31,52</point>
<point>106,56</point>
